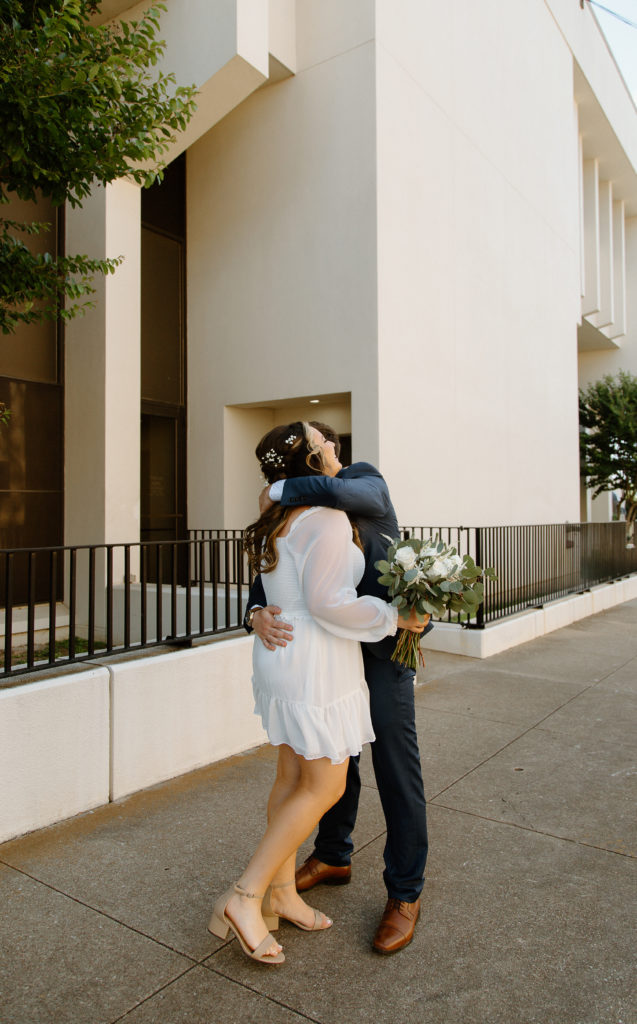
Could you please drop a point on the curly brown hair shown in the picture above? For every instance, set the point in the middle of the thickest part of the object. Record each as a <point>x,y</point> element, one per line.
<point>285,451</point>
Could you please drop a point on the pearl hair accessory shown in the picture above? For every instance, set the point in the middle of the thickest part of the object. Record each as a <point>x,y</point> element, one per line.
<point>291,439</point>
<point>272,458</point>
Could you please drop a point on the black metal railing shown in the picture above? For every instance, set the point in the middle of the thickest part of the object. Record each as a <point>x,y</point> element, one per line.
<point>112,598</point>
<point>537,564</point>
<point>208,568</point>
<point>63,605</point>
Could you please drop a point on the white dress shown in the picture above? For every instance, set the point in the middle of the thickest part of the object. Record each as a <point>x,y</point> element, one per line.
<point>312,693</point>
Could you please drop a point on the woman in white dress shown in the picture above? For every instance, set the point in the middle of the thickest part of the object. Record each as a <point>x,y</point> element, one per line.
<point>311,694</point>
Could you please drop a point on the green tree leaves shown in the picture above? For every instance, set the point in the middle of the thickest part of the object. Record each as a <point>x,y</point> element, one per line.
<point>79,104</point>
<point>608,439</point>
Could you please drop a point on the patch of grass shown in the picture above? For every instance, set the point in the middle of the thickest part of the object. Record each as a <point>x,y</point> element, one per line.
<point>41,653</point>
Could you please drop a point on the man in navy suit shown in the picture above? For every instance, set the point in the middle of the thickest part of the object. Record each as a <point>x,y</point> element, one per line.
<point>361,490</point>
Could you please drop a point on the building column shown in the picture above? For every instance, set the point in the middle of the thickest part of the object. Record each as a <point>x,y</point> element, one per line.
<point>102,376</point>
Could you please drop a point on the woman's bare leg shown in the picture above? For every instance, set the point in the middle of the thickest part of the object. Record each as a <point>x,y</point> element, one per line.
<point>294,811</point>
<point>286,900</point>
<point>288,775</point>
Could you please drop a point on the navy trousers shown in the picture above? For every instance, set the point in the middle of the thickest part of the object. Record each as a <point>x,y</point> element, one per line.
<point>396,761</point>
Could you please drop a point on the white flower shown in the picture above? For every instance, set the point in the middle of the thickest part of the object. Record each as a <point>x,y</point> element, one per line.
<point>445,568</point>
<point>405,557</point>
<point>456,562</point>
<point>438,570</point>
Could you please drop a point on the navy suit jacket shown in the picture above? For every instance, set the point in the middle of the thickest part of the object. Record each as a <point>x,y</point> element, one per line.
<point>362,491</point>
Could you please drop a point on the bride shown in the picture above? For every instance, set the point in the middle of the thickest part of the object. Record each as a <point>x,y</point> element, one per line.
<point>311,695</point>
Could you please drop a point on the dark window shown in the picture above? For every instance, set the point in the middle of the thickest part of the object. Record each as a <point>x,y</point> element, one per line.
<point>163,371</point>
<point>346,449</point>
<point>32,444</point>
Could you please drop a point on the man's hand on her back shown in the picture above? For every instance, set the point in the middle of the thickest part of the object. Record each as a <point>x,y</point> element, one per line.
<point>271,631</point>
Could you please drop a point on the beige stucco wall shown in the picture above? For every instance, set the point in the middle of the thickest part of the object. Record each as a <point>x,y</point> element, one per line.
<point>102,375</point>
<point>282,256</point>
<point>478,263</point>
<point>242,429</point>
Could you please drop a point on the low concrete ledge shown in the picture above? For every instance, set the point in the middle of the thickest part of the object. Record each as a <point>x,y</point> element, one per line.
<point>179,711</point>
<point>519,629</point>
<point>74,741</point>
<point>54,750</point>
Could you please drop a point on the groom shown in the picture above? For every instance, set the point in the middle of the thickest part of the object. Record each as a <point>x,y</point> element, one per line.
<point>361,490</point>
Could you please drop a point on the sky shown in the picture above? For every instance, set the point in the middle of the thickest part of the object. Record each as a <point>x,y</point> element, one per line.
<point>621,38</point>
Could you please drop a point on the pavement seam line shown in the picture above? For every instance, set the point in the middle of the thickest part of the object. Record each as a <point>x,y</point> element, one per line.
<point>369,842</point>
<point>256,992</point>
<point>537,831</point>
<point>433,799</point>
<point>525,732</point>
<point>131,1009</point>
<point>103,913</point>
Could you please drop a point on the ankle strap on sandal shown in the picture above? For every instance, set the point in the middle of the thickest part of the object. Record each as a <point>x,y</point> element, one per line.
<point>248,895</point>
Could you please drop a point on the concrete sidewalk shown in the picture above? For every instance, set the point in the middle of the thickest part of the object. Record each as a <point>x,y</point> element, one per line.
<point>529,907</point>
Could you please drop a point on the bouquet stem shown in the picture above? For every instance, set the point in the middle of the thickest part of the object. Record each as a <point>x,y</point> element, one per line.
<point>407,650</point>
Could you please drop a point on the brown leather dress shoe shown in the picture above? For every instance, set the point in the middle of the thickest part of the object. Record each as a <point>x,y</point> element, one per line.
<point>315,872</point>
<point>396,928</point>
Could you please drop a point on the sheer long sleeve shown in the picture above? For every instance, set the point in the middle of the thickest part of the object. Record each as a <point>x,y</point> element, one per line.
<point>322,548</point>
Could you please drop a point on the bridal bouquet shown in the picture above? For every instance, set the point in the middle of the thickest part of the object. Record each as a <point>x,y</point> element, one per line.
<point>432,578</point>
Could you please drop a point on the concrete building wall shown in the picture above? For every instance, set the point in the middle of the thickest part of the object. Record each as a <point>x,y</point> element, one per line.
<point>478,263</point>
<point>282,256</point>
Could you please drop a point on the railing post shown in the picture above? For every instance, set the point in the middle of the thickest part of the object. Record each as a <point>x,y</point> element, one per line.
<point>173,593</point>
<point>31,610</point>
<point>202,595</point>
<point>109,597</point>
<point>188,592</point>
<point>127,596</point>
<point>479,549</point>
<point>8,613</point>
<point>159,594</point>
<point>52,604</point>
<point>91,601</point>
<point>143,595</point>
<point>72,601</point>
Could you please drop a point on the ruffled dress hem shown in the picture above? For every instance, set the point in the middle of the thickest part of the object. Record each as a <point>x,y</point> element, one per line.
<point>337,731</point>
